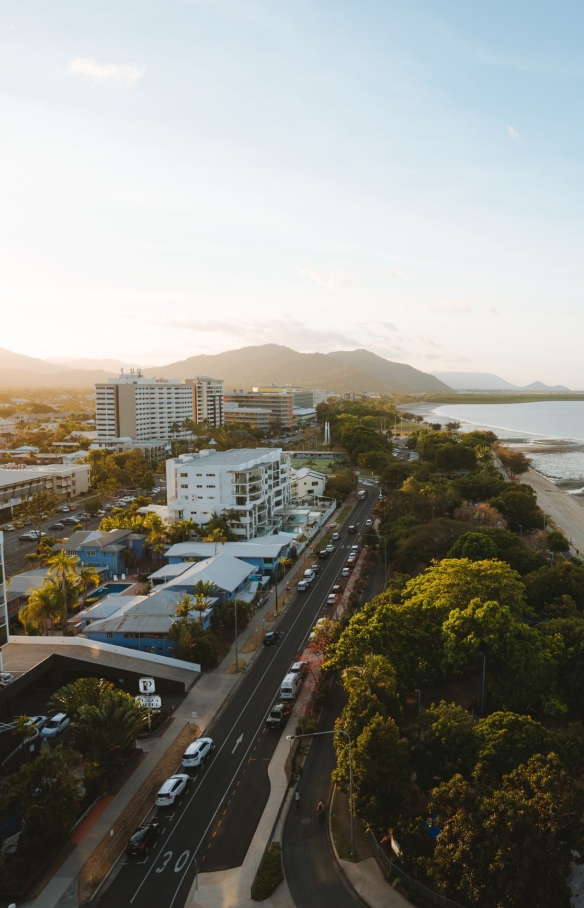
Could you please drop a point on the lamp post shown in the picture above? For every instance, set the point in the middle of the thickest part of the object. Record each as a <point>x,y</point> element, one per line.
<point>338,731</point>
<point>419,693</point>
<point>236,657</point>
<point>484,655</point>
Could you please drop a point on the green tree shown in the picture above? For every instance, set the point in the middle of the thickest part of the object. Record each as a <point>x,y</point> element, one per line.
<point>546,586</point>
<point>217,536</point>
<point>104,733</point>
<point>88,576</point>
<point>515,462</point>
<point>442,744</point>
<point>43,608</point>
<point>557,542</point>
<point>194,643</point>
<point>474,546</point>
<point>512,847</point>
<point>518,505</point>
<point>506,740</point>
<point>381,772</point>
<point>480,627</point>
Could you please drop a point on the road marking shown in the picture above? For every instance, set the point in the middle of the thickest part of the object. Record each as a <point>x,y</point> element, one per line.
<point>237,743</point>
<point>202,779</point>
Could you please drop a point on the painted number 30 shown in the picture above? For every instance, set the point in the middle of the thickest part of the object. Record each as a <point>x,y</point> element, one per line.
<point>181,861</point>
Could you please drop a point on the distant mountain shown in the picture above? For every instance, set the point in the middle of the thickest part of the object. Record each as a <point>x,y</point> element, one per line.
<point>487,381</point>
<point>75,379</point>
<point>539,386</point>
<point>475,381</point>
<point>108,365</point>
<point>10,360</point>
<point>354,370</point>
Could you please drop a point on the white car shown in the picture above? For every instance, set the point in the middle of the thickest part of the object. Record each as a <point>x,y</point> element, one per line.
<point>6,678</point>
<point>55,726</point>
<point>8,527</point>
<point>197,752</point>
<point>171,789</point>
<point>346,572</point>
<point>302,586</point>
<point>64,509</point>
<point>369,522</point>
<point>331,599</point>
<point>335,537</point>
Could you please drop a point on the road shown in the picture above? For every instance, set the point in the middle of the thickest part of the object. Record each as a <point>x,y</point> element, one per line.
<point>212,826</point>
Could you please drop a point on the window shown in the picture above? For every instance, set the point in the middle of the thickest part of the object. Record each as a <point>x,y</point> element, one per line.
<point>184,475</point>
<point>109,635</point>
<point>315,483</point>
<point>210,487</point>
<point>184,485</point>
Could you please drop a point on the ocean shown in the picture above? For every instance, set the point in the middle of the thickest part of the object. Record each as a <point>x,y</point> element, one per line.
<point>551,433</point>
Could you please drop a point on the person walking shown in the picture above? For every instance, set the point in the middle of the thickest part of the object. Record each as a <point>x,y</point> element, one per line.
<point>320,811</point>
<point>297,799</point>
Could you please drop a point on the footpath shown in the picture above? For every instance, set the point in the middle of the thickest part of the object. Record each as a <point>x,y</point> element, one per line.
<point>105,838</point>
<point>562,508</point>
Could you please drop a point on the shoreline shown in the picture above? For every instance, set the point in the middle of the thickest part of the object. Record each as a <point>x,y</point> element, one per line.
<point>559,505</point>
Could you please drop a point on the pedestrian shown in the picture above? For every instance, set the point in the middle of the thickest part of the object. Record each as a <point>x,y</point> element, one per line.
<point>297,799</point>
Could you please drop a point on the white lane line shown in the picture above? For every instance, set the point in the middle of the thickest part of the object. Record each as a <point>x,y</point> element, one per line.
<point>249,701</point>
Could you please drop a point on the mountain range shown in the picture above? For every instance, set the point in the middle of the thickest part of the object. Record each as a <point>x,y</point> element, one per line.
<point>487,381</point>
<point>345,370</point>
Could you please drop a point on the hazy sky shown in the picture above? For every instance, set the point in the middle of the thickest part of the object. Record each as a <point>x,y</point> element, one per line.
<point>190,176</point>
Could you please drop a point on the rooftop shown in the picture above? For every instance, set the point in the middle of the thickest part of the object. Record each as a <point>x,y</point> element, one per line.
<point>236,457</point>
<point>224,571</point>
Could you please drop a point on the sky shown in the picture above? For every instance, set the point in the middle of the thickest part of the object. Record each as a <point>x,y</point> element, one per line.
<point>194,176</point>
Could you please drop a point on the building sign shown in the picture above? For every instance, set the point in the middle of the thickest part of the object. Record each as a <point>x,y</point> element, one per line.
<point>149,702</point>
<point>146,685</point>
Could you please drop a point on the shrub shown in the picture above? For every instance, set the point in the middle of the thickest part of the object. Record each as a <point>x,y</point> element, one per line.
<point>269,875</point>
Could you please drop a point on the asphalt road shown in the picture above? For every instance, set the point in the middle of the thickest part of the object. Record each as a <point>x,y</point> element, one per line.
<point>14,550</point>
<point>212,826</point>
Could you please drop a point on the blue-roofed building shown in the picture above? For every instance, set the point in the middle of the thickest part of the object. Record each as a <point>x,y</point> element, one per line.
<point>105,551</point>
<point>262,553</point>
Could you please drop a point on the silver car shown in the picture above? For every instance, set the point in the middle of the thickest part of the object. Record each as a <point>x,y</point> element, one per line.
<point>171,789</point>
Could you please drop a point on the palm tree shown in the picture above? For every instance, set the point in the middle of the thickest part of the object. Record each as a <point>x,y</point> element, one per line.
<point>181,531</point>
<point>375,675</point>
<point>88,576</point>
<point>184,607</point>
<point>63,568</point>
<point>42,608</point>
<point>217,536</point>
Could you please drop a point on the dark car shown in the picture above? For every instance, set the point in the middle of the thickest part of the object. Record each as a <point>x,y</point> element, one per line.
<point>57,526</point>
<point>143,838</point>
<point>352,529</point>
<point>323,553</point>
<point>315,567</point>
<point>271,638</point>
<point>278,715</point>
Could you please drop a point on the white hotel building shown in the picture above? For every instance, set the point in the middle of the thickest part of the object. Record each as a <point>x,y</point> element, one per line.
<point>145,409</point>
<point>254,482</point>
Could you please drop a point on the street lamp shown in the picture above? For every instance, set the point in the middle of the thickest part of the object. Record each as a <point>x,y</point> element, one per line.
<point>236,659</point>
<point>484,655</point>
<point>338,731</point>
<point>419,693</point>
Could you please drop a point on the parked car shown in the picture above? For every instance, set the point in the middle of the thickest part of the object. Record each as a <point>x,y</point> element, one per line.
<point>86,515</point>
<point>302,586</point>
<point>337,588</point>
<point>315,568</point>
<point>300,668</point>
<point>6,678</point>
<point>309,576</point>
<point>109,507</point>
<point>331,599</point>
<point>171,789</point>
<point>37,722</point>
<point>57,526</point>
<point>8,527</point>
<point>369,522</point>
<point>278,715</point>
<point>335,537</point>
<point>71,521</point>
<point>72,507</point>
<point>143,838</point>
<point>380,497</point>
<point>64,509</point>
<point>197,752</point>
<point>323,553</point>
<point>271,638</point>
<point>31,536</point>
<point>55,726</point>
<point>330,548</point>
<point>100,513</point>
<point>346,572</point>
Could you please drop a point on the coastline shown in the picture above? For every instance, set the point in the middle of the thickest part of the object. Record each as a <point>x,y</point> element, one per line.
<point>561,507</point>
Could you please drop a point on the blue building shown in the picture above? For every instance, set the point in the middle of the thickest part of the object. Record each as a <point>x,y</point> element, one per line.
<point>107,552</point>
<point>262,553</point>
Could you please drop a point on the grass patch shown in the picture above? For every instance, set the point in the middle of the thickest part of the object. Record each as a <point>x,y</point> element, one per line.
<point>269,875</point>
<point>341,831</point>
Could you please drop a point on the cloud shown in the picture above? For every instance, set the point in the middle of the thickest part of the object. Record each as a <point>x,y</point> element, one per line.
<point>335,280</point>
<point>447,307</point>
<point>376,325</point>
<point>514,135</point>
<point>282,330</point>
<point>102,72</point>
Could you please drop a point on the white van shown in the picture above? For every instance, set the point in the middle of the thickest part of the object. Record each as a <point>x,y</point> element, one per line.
<point>290,686</point>
<point>309,576</point>
<point>302,586</point>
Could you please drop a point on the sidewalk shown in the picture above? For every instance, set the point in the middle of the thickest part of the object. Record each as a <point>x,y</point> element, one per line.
<point>563,509</point>
<point>206,699</point>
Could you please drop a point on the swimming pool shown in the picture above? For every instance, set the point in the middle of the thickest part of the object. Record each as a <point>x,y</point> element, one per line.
<point>110,589</point>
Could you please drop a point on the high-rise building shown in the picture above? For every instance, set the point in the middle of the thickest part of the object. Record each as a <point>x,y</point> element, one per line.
<point>300,397</point>
<point>207,399</point>
<point>143,409</point>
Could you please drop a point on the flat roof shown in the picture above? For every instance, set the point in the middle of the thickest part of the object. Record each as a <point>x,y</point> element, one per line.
<point>233,457</point>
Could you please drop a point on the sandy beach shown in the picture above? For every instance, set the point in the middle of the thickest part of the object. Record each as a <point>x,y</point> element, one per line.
<point>565,512</point>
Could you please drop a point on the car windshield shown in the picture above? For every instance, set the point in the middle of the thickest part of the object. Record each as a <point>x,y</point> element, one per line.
<point>52,723</point>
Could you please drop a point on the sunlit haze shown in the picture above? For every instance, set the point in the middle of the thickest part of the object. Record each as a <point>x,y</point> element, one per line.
<point>189,177</point>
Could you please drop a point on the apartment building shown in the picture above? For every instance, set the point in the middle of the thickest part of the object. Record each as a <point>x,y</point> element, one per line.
<point>148,409</point>
<point>251,416</point>
<point>207,399</point>
<point>280,406</point>
<point>253,483</point>
<point>19,482</point>
<point>300,397</point>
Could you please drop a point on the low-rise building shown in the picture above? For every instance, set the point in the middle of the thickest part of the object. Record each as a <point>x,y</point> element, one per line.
<point>20,587</point>
<point>307,483</point>
<point>262,554</point>
<point>252,485</point>
<point>108,552</point>
<point>280,406</point>
<point>251,416</point>
<point>19,482</point>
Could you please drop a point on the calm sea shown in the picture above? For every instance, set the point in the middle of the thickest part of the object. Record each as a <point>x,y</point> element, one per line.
<point>558,423</point>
